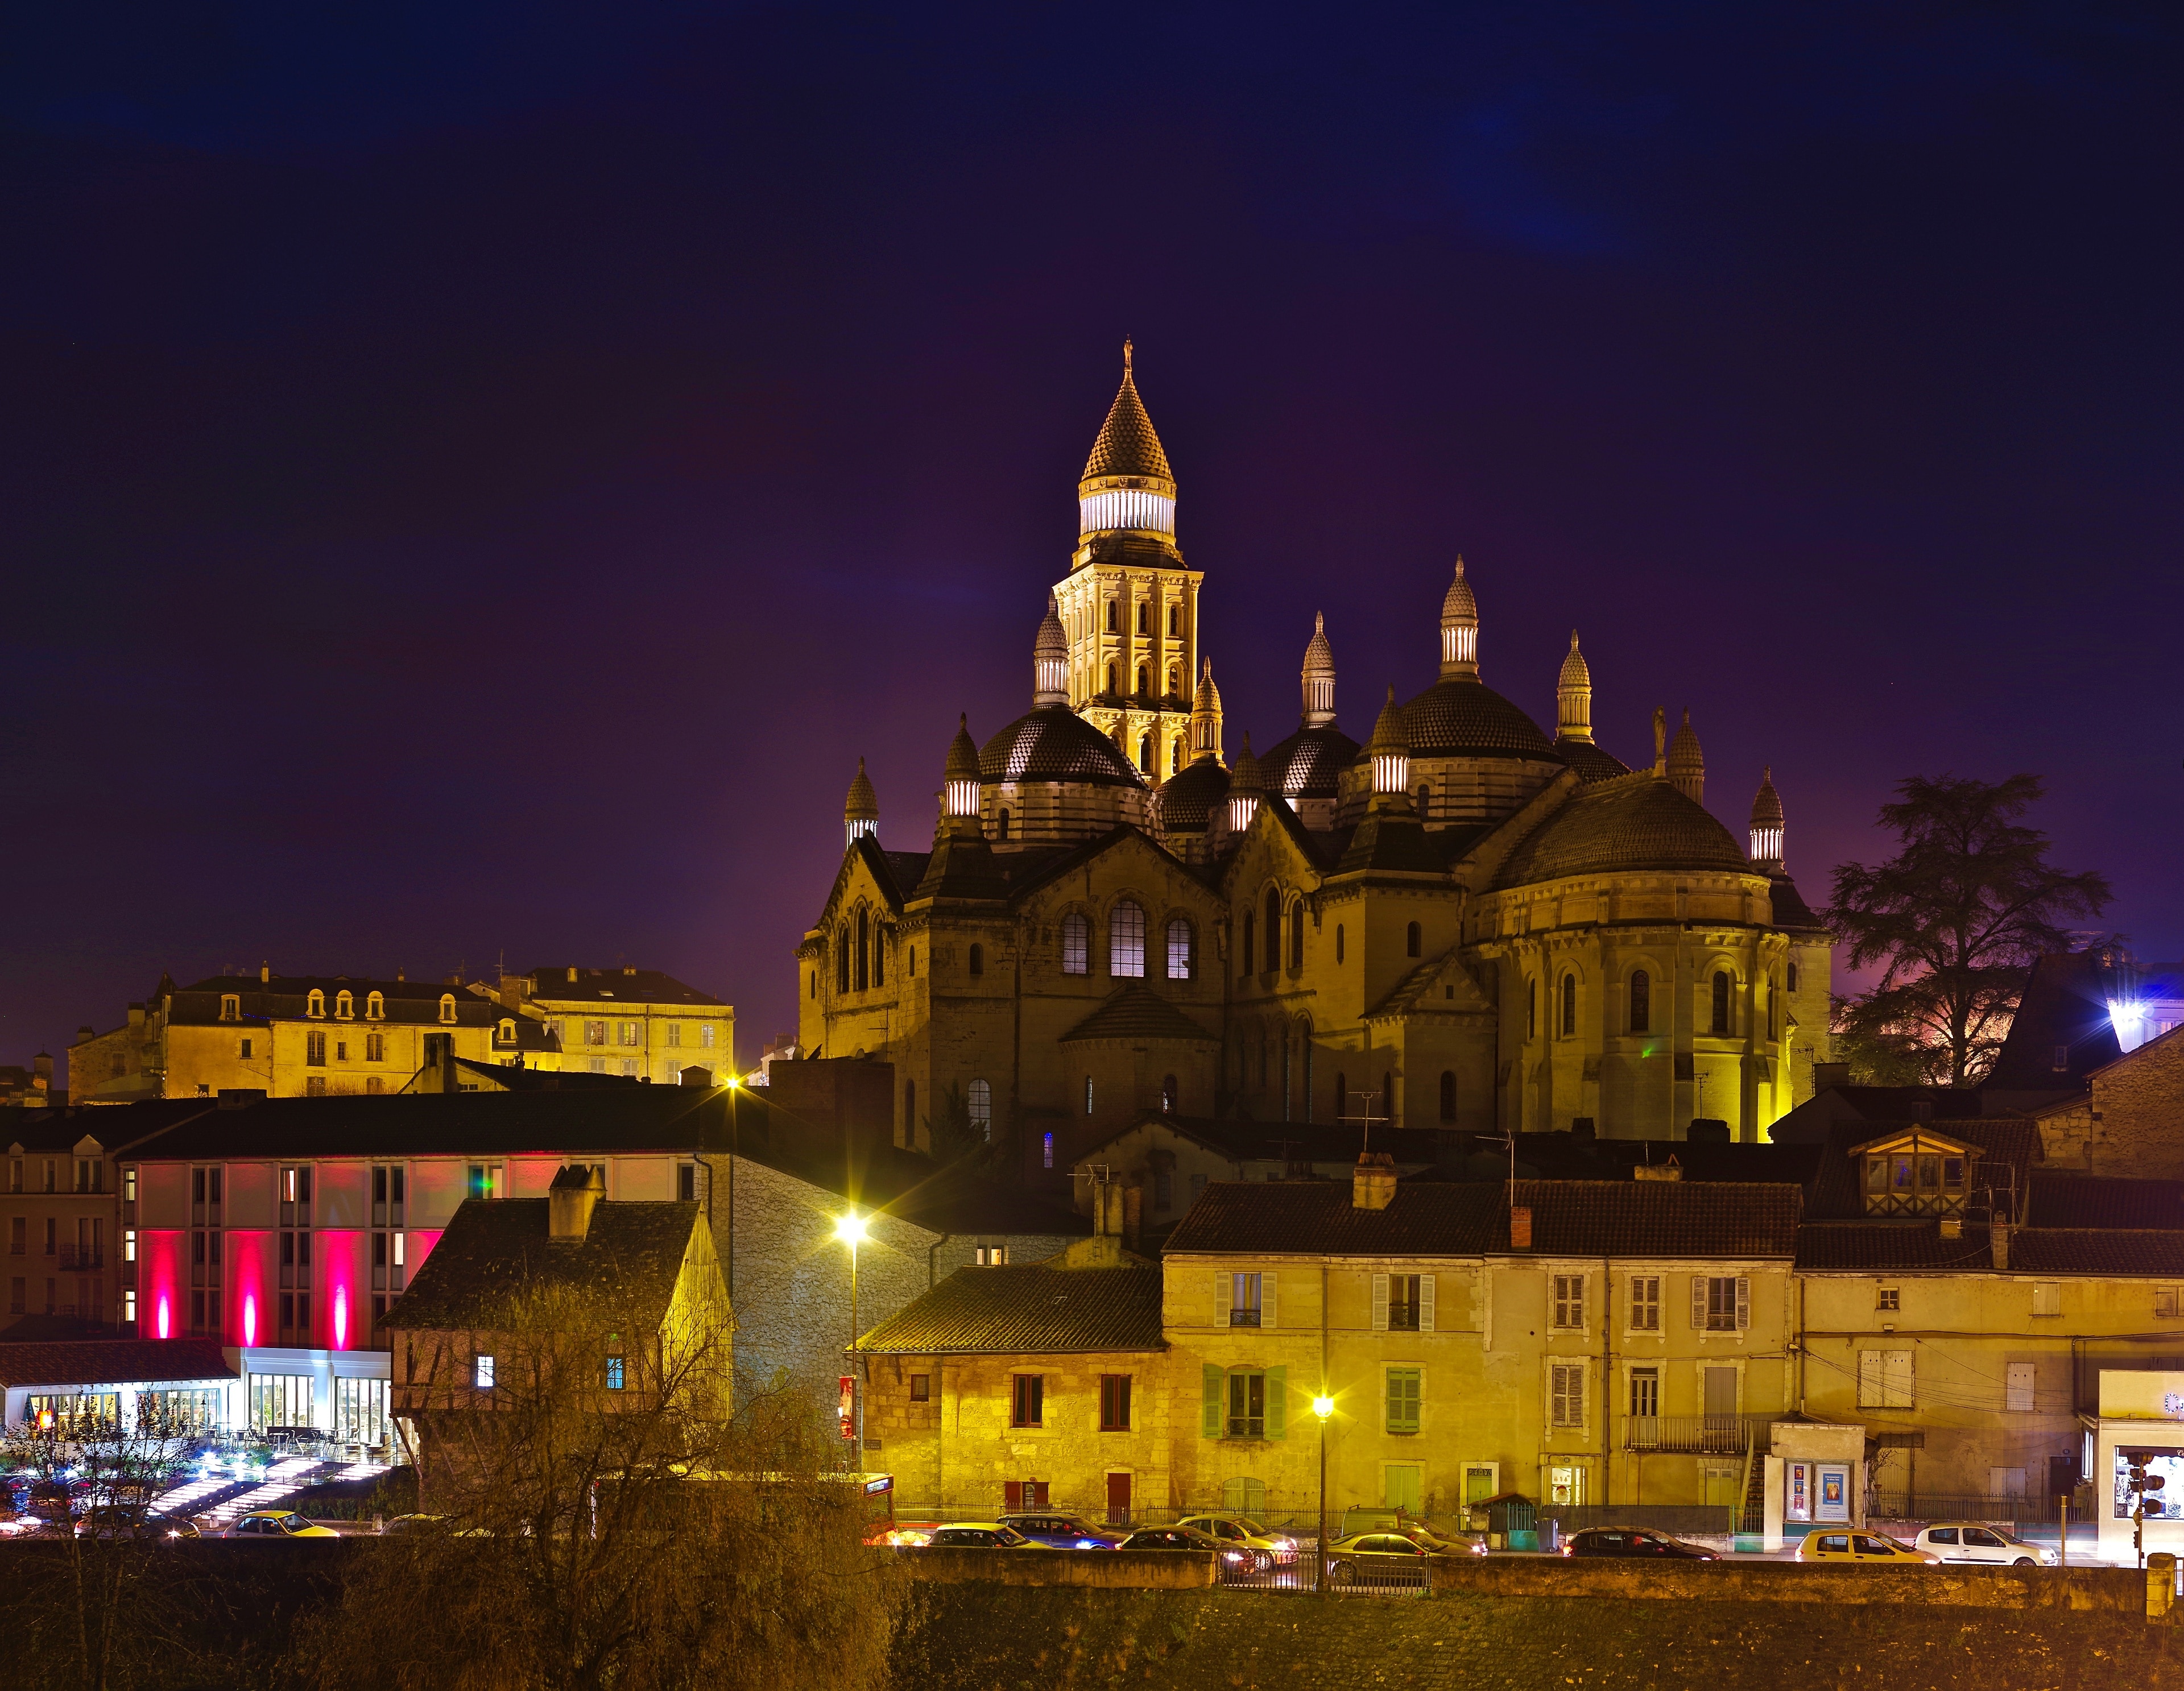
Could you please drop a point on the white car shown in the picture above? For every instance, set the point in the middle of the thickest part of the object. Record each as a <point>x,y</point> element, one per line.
<point>1968,1541</point>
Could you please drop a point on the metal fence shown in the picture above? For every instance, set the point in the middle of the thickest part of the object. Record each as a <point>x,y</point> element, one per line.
<point>1941,1506</point>
<point>1679,1518</point>
<point>1344,1579</point>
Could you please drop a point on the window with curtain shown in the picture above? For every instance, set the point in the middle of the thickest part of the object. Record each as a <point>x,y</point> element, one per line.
<point>1126,940</point>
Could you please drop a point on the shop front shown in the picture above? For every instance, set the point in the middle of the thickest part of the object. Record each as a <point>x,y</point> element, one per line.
<point>2138,1464</point>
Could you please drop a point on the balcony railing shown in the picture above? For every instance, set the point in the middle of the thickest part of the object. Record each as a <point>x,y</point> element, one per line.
<point>82,1261</point>
<point>1725,1435</point>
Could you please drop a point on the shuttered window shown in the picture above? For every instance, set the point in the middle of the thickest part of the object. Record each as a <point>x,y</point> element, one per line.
<point>1405,1387</point>
<point>2019,1390</point>
<point>1645,1303</point>
<point>1566,1393</point>
<point>1884,1379</point>
<point>1569,1300</point>
<point>1721,1303</point>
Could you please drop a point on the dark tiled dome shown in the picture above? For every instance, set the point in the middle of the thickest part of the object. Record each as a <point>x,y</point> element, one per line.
<point>1309,763</point>
<point>1055,743</point>
<point>1636,823</point>
<point>1591,764</point>
<point>1127,445</point>
<point>1187,801</point>
<point>1460,715</point>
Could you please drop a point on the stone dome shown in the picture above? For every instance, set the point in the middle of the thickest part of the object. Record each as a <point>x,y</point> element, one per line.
<point>1127,447</point>
<point>1632,824</point>
<point>1591,764</point>
<point>1309,763</point>
<point>1188,801</point>
<point>1055,743</point>
<point>1462,717</point>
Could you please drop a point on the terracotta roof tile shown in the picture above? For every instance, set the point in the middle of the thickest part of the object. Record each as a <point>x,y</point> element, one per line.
<point>1029,1309</point>
<point>111,1361</point>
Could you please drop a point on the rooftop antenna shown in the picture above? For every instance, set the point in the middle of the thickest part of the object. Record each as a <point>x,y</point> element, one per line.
<point>1364,1118</point>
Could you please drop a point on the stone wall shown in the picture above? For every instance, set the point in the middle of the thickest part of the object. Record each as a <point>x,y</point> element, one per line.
<point>2131,1124</point>
<point>1111,1570</point>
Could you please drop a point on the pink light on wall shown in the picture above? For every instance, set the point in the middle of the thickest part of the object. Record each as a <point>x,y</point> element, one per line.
<point>341,1318</point>
<point>250,1319</point>
<point>164,1319</point>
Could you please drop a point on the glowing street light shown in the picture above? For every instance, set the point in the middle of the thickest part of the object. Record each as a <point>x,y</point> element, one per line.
<point>1323,1407</point>
<point>850,1229</point>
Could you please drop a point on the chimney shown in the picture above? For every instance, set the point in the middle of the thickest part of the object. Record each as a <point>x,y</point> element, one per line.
<point>1671,1169</point>
<point>629,968</point>
<point>1133,1210</point>
<point>572,977</point>
<point>1373,1185</point>
<point>570,1201</point>
<point>265,972</point>
<point>1520,1227</point>
<point>1952,1227</point>
<point>1998,1244</point>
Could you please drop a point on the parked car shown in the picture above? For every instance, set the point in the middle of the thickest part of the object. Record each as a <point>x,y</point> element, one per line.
<point>1972,1541</point>
<point>1635,1541</point>
<point>979,1535</point>
<point>400,1524</point>
<point>1434,1544</point>
<point>132,1521</point>
<point>262,1524</point>
<point>1188,1539</point>
<point>1363,1554</point>
<point>1062,1532</point>
<point>1867,1548</point>
<point>1269,1548</point>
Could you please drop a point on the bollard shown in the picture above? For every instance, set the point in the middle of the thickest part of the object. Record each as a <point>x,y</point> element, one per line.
<point>2160,1584</point>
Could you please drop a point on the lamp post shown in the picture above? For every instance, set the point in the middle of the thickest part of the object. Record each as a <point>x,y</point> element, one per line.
<point>1322,1406</point>
<point>851,1230</point>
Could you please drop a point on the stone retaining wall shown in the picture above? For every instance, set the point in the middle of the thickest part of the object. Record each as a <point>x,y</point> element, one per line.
<point>1113,1570</point>
<point>2103,1590</point>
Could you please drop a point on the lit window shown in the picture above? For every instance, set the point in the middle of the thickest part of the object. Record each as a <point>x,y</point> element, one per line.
<point>705,1034</point>
<point>1047,1152</point>
<point>614,1369</point>
<point>1126,940</point>
<point>447,1006</point>
<point>1076,944</point>
<point>482,1373</point>
<point>981,1106</point>
<point>1181,953</point>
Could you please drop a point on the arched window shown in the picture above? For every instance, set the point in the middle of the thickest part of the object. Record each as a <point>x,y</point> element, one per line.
<point>374,1006</point>
<point>1175,755</point>
<point>1175,620</point>
<point>1570,1005</point>
<point>1145,754</point>
<point>842,954</point>
<point>315,1005</point>
<point>1076,944</point>
<point>345,1005</point>
<point>880,937</point>
<point>1341,1094</point>
<point>1448,1094</point>
<point>977,958</point>
<point>1531,1010</point>
<point>1793,975</point>
<point>1145,615</point>
<point>814,983</point>
<point>1720,1002</point>
<point>1001,824</point>
<point>1414,940</point>
<point>1641,1001</point>
<point>1296,935</point>
<point>1111,615</point>
<point>507,1032</point>
<point>447,1006</point>
<point>1273,929</point>
<point>1113,673</point>
<point>1088,1110</point>
<point>1244,951</point>
<point>980,1103</point>
<point>1175,681</point>
<point>913,963</point>
<point>1167,1095</point>
<point>1425,800</point>
<point>1126,940</point>
<point>1144,676</point>
<point>1338,941</point>
<point>1182,950</point>
<point>864,951</point>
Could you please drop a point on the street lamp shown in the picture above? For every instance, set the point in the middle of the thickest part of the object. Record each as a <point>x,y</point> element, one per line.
<point>1322,1406</point>
<point>851,1230</point>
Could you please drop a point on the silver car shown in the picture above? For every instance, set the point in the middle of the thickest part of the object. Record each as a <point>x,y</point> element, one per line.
<point>1974,1541</point>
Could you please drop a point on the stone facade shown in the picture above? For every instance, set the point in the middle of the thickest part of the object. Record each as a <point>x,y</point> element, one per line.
<point>2131,1121</point>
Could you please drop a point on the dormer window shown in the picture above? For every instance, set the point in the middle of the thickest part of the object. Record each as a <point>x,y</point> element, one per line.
<point>374,1007</point>
<point>230,1006</point>
<point>447,1007</point>
<point>1915,1173</point>
<point>507,1034</point>
<point>345,1005</point>
<point>316,1005</point>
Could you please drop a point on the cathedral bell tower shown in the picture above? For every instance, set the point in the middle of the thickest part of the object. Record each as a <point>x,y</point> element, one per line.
<point>1129,605</point>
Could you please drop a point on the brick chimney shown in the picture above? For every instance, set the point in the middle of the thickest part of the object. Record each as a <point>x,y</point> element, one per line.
<point>1520,1226</point>
<point>1998,1244</point>
<point>570,1201</point>
<point>1373,1185</point>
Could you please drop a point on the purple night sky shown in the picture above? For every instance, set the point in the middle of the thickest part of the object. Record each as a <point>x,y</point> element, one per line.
<point>474,485</point>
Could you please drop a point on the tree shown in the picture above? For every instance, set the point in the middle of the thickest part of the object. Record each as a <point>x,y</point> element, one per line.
<point>1956,918</point>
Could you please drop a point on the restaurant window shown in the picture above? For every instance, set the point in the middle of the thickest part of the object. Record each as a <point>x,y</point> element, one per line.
<point>1114,1402</point>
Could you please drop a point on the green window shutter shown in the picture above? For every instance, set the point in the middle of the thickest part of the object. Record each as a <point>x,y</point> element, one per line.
<point>1403,1394</point>
<point>1216,1388</point>
<point>1277,1402</point>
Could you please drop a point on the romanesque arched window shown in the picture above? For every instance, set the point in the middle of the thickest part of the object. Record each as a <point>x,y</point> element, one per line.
<point>1273,929</point>
<point>844,951</point>
<point>1111,615</point>
<point>1244,950</point>
<point>1792,980</point>
<point>879,954</point>
<point>1001,826</point>
<point>1126,940</point>
<point>1414,941</point>
<point>864,951</point>
<point>1144,617</point>
<point>979,1101</point>
<point>1175,620</point>
<point>1641,1001</point>
<point>1144,679</point>
<point>1448,1094</point>
<point>1721,1025</point>
<point>1076,944</point>
<point>977,958</point>
<point>1114,678</point>
<point>1570,1005</point>
<point>1175,755</point>
<point>1175,681</point>
<point>1296,935</point>
<point>1167,1095</point>
<point>1182,950</point>
<point>1145,754</point>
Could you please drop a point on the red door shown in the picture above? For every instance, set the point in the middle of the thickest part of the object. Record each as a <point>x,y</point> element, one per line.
<point>1118,1500</point>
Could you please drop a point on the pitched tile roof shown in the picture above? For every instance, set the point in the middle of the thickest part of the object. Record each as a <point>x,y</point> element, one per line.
<point>1135,1011</point>
<point>1028,1310</point>
<point>2075,1200</point>
<point>1655,1218</point>
<point>2098,1250</point>
<point>1869,1247</point>
<point>1311,1218</point>
<point>111,1361</point>
<point>2065,1007</point>
<point>497,1249</point>
<point>624,986</point>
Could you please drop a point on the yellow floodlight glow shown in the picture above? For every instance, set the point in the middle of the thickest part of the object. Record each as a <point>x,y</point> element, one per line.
<point>1322,1406</point>
<point>851,1229</point>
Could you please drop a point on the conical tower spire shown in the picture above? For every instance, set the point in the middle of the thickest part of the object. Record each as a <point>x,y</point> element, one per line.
<point>1687,763</point>
<point>1127,482</point>
<point>1050,660</point>
<point>1573,697</point>
<point>1205,716</point>
<point>1319,677</point>
<point>1246,787</point>
<point>1390,750</point>
<point>959,795</point>
<point>861,811</point>
<point>1459,628</point>
<point>1767,825</point>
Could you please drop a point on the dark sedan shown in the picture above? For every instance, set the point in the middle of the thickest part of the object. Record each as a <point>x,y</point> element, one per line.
<point>1186,1538</point>
<point>1635,1541</point>
<point>1062,1532</point>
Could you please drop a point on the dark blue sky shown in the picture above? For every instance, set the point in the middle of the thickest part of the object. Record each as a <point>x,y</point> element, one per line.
<point>476,476</point>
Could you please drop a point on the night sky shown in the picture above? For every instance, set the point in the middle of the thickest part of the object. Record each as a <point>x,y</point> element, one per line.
<point>476,476</point>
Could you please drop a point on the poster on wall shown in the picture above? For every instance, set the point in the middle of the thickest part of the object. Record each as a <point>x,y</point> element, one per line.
<point>1797,1491</point>
<point>1832,1502</point>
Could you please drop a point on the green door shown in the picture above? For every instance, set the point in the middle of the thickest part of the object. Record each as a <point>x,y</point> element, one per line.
<point>1404,1481</point>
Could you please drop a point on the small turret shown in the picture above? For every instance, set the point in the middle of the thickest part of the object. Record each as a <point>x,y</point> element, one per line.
<point>1687,763</point>
<point>1573,697</point>
<point>861,811</point>
<point>1390,753</point>
<point>1459,628</point>
<point>1205,716</point>
<point>1050,660</point>
<point>959,795</point>
<point>1246,786</point>
<point>1767,825</point>
<point>1319,677</point>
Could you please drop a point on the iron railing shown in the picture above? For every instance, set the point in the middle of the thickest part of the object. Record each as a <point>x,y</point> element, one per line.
<point>1925,1506</point>
<point>1714,1435</point>
<point>1680,1519</point>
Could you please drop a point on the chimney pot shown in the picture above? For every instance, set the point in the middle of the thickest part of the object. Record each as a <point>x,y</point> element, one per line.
<point>1373,1185</point>
<point>577,1191</point>
<point>1997,1241</point>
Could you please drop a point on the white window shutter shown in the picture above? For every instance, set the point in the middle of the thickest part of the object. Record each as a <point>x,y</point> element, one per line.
<point>1425,1303</point>
<point>1869,1379</point>
<point>1267,1298</point>
<point>1743,1302</point>
<point>1698,1303</point>
<point>2020,1388</point>
<point>1898,1379</point>
<point>1379,1303</point>
<point>1223,1285</point>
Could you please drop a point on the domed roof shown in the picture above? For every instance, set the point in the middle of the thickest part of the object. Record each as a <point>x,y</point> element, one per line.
<point>1391,728</point>
<point>1591,764</point>
<point>962,754</point>
<point>1635,823</point>
<point>1319,655</point>
<point>1051,640</point>
<point>1055,743</point>
<point>1208,696</point>
<point>1462,716</point>
<point>1575,672</point>
<point>1684,756</point>
<point>863,804</point>
<point>1309,763</point>
<point>1127,445</point>
<point>1766,803</point>
<point>1188,800</point>
<point>1459,603</point>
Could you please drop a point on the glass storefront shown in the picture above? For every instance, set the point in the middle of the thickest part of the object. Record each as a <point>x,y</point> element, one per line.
<point>280,1400</point>
<point>2165,1461</point>
<point>361,1411</point>
<point>73,1414</point>
<point>181,1409</point>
